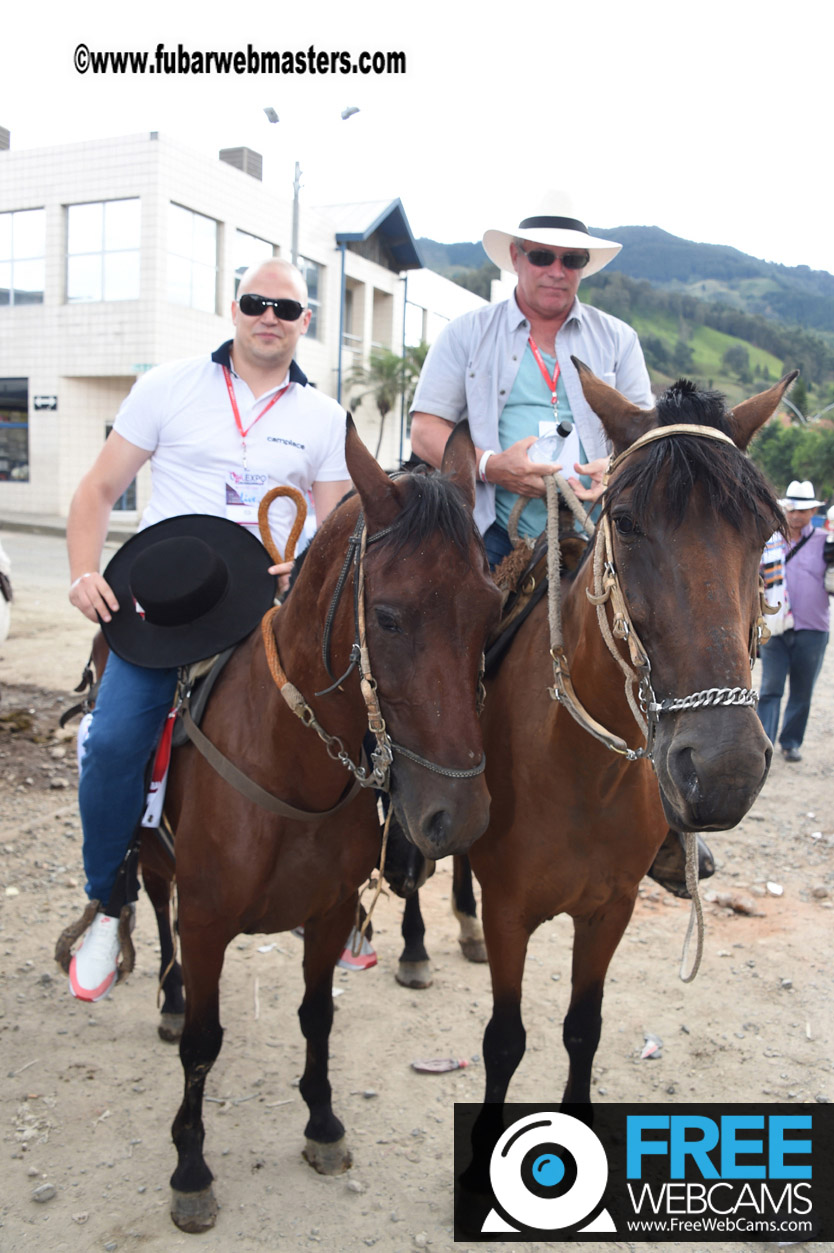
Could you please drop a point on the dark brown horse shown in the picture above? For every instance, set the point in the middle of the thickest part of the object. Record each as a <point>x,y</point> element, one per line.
<point>428,605</point>
<point>574,826</point>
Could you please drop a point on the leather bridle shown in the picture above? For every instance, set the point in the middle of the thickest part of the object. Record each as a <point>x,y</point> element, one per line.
<point>646,708</point>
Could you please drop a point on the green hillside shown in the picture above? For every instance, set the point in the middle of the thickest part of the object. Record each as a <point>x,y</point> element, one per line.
<point>795,295</point>
<point>717,345</point>
<point>702,355</point>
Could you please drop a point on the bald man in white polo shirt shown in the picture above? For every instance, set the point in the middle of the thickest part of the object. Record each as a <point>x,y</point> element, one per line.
<point>219,432</point>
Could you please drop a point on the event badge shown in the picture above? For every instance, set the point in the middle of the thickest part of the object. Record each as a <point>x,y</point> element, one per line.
<point>244,492</point>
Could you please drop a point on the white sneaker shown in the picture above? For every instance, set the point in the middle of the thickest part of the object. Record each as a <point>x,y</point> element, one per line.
<point>92,970</point>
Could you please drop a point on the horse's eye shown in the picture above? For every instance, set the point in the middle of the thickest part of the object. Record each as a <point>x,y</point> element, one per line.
<point>387,620</point>
<point>626,525</point>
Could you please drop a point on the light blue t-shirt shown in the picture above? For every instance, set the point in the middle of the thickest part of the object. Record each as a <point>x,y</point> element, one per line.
<point>527,405</point>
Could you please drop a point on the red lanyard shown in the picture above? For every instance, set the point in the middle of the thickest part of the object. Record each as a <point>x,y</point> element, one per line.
<point>551,383</point>
<point>230,386</point>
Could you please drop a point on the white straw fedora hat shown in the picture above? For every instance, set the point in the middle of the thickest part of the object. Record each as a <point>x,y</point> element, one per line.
<point>553,222</point>
<point>800,496</point>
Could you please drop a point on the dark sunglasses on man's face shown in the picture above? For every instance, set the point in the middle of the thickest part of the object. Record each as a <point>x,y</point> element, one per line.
<point>254,306</point>
<point>543,257</point>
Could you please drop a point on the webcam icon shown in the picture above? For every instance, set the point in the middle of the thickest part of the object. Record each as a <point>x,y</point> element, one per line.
<point>548,1173</point>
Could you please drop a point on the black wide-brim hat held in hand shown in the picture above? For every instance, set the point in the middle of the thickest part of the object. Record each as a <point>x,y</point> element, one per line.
<point>187,588</point>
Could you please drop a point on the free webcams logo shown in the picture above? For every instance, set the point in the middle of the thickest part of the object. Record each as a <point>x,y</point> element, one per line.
<point>548,1172</point>
<point>698,1174</point>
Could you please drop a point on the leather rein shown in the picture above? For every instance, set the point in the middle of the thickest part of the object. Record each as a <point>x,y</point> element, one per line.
<point>378,775</point>
<point>646,709</point>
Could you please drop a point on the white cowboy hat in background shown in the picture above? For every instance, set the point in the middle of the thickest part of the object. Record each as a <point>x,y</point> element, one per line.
<point>800,496</point>
<point>553,222</point>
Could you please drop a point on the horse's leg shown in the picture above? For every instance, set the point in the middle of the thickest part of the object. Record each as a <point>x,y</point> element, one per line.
<point>414,970</point>
<point>193,1207</point>
<point>172,1017</point>
<point>326,1149</point>
<point>504,1039</point>
<point>595,941</point>
<point>471,938</point>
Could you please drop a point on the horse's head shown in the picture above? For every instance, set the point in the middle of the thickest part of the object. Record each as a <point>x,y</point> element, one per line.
<point>689,515</point>
<point>429,605</point>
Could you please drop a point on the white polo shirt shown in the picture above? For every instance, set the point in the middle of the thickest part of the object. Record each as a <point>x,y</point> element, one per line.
<point>182,414</point>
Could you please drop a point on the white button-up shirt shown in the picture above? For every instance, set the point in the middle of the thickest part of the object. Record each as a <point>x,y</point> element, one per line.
<point>471,367</point>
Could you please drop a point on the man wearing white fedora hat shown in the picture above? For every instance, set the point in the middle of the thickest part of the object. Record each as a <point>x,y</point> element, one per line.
<point>796,652</point>
<point>507,367</point>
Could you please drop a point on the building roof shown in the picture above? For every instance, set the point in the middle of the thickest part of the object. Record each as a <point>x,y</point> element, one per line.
<point>356,223</point>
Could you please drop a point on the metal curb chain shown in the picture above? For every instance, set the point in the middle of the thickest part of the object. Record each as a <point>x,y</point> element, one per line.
<point>711,696</point>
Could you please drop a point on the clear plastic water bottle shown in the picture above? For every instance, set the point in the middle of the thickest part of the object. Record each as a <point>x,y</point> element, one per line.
<point>548,447</point>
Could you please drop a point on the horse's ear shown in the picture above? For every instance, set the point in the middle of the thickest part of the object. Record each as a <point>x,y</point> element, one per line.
<point>459,461</point>
<point>380,496</point>
<point>750,414</point>
<point>623,421</point>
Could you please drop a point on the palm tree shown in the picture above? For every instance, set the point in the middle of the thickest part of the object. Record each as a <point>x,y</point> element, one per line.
<point>386,378</point>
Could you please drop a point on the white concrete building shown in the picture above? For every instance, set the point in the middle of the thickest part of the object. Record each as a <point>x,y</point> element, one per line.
<point>121,254</point>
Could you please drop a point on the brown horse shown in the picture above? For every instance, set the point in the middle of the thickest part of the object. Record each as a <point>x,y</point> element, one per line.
<point>428,605</point>
<point>574,826</point>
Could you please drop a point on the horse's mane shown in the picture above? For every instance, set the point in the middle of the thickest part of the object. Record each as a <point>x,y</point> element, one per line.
<point>433,503</point>
<point>734,486</point>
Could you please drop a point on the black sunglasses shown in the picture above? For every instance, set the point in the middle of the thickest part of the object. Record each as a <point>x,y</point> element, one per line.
<point>254,306</point>
<point>543,257</point>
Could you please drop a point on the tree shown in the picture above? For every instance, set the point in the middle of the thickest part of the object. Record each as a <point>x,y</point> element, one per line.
<point>656,352</point>
<point>682,356</point>
<point>772,451</point>
<point>737,360</point>
<point>813,459</point>
<point>386,378</point>
<point>799,395</point>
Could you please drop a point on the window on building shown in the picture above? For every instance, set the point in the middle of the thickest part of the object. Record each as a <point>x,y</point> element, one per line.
<point>127,500</point>
<point>14,430</point>
<point>249,250</point>
<point>22,252</point>
<point>103,241</point>
<point>312,277</point>
<point>192,259</point>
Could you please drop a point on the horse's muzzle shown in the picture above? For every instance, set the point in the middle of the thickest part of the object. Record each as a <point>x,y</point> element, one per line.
<point>439,816</point>
<point>711,766</point>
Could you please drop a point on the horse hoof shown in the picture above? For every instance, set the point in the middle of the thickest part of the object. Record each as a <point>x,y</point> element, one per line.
<point>194,1212</point>
<point>328,1159</point>
<point>473,950</point>
<point>170,1027</point>
<point>414,975</point>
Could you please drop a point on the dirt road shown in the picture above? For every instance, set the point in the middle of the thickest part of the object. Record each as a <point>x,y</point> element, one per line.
<point>89,1092</point>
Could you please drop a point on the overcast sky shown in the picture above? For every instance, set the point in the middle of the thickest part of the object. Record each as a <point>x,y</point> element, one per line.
<point>710,119</point>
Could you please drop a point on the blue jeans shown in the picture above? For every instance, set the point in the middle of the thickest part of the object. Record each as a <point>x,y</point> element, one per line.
<point>796,655</point>
<point>497,544</point>
<point>127,721</point>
